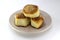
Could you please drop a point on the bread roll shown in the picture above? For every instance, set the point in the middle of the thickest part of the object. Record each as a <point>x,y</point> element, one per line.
<point>21,20</point>
<point>37,22</point>
<point>31,11</point>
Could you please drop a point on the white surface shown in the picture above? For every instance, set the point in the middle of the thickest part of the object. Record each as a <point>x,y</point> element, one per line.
<point>7,7</point>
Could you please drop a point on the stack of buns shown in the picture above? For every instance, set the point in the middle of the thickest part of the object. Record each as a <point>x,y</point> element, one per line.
<point>30,15</point>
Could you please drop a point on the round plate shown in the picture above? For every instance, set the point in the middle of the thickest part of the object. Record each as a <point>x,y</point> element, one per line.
<point>29,29</point>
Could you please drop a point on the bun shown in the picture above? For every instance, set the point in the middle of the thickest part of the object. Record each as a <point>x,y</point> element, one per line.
<point>21,20</point>
<point>37,22</point>
<point>31,11</point>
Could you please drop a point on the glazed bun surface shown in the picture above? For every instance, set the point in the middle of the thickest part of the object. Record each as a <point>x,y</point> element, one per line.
<point>30,9</point>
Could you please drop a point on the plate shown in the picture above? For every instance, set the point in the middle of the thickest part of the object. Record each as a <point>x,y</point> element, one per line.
<point>29,29</point>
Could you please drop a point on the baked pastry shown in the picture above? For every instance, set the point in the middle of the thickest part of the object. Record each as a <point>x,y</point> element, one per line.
<point>21,20</point>
<point>37,22</point>
<point>31,11</point>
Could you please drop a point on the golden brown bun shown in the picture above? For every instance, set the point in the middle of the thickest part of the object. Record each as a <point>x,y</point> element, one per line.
<point>37,22</point>
<point>31,11</point>
<point>21,20</point>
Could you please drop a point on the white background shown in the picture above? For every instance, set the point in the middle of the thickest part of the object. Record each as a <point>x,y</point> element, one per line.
<point>8,7</point>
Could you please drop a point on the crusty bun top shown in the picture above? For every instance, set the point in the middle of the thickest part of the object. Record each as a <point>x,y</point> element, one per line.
<point>38,19</point>
<point>20,15</point>
<point>30,9</point>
